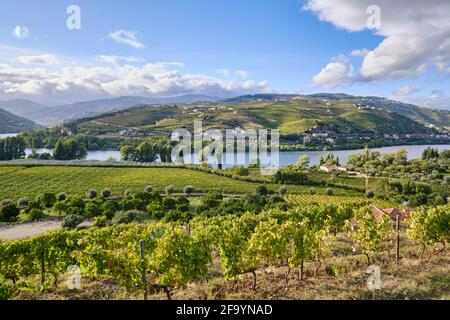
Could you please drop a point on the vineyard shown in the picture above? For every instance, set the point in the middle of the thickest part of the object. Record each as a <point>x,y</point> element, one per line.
<point>306,199</point>
<point>22,181</point>
<point>233,256</point>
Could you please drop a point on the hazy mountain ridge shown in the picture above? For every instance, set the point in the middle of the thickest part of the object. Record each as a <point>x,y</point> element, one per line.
<point>10,123</point>
<point>52,115</point>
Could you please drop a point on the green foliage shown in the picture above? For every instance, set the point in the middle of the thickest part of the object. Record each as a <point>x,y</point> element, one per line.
<point>188,189</point>
<point>106,193</point>
<point>36,214</point>
<point>61,196</point>
<point>430,225</point>
<point>47,199</point>
<point>8,211</point>
<point>91,194</point>
<point>72,221</point>
<point>282,191</point>
<point>125,217</point>
<point>69,149</point>
<point>23,202</point>
<point>329,191</point>
<point>366,232</point>
<point>5,289</point>
<point>12,148</point>
<point>169,190</point>
<point>148,189</point>
<point>262,190</point>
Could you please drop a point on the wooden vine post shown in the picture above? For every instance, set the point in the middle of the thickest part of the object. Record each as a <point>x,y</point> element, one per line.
<point>144,269</point>
<point>397,240</point>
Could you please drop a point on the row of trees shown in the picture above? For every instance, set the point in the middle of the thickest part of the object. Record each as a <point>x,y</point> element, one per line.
<point>12,148</point>
<point>147,152</point>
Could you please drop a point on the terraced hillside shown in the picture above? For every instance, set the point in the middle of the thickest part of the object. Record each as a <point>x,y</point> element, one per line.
<point>291,114</point>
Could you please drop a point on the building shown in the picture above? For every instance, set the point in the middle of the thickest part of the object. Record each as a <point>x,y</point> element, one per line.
<point>393,213</point>
<point>331,168</point>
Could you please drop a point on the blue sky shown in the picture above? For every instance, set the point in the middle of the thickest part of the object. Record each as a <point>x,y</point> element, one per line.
<point>220,47</point>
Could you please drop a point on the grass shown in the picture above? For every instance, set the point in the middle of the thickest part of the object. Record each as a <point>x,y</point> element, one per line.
<point>21,181</point>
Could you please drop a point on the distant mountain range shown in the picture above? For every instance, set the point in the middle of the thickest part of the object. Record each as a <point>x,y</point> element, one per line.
<point>48,116</point>
<point>10,123</point>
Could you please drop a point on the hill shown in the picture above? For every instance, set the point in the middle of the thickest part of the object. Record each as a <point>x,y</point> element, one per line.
<point>10,123</point>
<point>52,115</point>
<point>339,114</point>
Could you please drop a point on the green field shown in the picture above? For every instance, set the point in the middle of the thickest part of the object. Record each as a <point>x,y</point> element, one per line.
<point>21,181</point>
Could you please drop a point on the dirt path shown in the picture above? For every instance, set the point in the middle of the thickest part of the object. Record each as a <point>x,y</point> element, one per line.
<point>27,230</point>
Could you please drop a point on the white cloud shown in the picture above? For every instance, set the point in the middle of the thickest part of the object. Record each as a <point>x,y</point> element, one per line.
<point>360,53</point>
<point>415,32</point>
<point>338,73</point>
<point>224,72</point>
<point>39,59</point>
<point>129,38</point>
<point>242,74</point>
<point>21,32</point>
<point>437,99</point>
<point>116,59</point>
<point>69,83</point>
<point>407,90</point>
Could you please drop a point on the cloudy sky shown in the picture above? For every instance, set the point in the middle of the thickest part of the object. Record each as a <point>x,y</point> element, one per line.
<point>398,49</point>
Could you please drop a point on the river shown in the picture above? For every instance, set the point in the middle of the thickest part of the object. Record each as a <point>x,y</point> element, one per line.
<point>286,157</point>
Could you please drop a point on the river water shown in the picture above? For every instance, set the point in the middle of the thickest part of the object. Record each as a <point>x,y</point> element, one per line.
<point>286,157</point>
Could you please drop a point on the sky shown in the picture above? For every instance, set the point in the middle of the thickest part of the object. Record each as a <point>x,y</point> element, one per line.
<point>57,51</point>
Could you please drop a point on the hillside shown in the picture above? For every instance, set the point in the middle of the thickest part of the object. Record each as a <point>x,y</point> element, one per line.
<point>49,116</point>
<point>338,114</point>
<point>10,123</point>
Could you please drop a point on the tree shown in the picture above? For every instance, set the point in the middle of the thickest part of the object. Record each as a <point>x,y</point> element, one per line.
<point>282,191</point>
<point>69,149</point>
<point>188,189</point>
<point>12,148</point>
<point>91,194</point>
<point>169,190</point>
<point>303,162</point>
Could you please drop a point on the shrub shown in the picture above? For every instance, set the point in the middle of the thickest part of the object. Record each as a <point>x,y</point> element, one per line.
<point>61,196</point>
<point>282,191</point>
<point>169,203</point>
<point>91,194</point>
<point>329,191</point>
<point>240,171</point>
<point>59,207</point>
<point>5,290</point>
<point>370,194</point>
<point>36,214</point>
<point>9,212</point>
<point>23,202</point>
<point>125,217</point>
<point>92,210</point>
<point>155,209</point>
<point>47,199</point>
<point>262,190</point>
<point>72,221</point>
<point>128,193</point>
<point>100,222</point>
<point>275,199</point>
<point>106,193</point>
<point>109,208</point>
<point>148,189</point>
<point>169,190</point>
<point>312,191</point>
<point>188,189</point>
